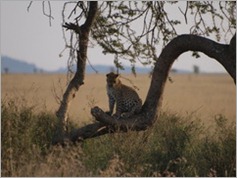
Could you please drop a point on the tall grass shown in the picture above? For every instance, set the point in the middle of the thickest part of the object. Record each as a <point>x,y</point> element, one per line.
<point>174,146</point>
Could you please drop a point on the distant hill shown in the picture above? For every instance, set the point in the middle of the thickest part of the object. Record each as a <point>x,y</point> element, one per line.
<point>105,69</point>
<point>12,65</point>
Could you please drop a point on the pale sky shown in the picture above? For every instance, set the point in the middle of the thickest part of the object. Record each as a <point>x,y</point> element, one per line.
<point>27,36</point>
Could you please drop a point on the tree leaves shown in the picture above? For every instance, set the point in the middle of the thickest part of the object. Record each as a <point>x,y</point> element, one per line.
<point>134,30</point>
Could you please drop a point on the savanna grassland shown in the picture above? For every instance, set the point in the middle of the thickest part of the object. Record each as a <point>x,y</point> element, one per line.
<point>194,135</point>
<point>205,95</point>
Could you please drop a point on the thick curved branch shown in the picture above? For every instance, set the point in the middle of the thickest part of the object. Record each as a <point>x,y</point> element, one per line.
<point>183,43</point>
<point>136,122</point>
<point>89,131</point>
<point>108,125</point>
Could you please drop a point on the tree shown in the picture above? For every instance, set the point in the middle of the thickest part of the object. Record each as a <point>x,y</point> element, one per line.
<point>196,69</point>
<point>6,70</point>
<point>112,26</point>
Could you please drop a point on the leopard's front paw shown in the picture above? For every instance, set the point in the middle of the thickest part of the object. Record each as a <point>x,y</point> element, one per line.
<point>116,116</point>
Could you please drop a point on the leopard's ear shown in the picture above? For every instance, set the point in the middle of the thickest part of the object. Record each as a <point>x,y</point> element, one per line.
<point>107,75</point>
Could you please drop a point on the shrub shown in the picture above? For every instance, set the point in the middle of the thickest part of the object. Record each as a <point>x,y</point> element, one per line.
<point>18,126</point>
<point>218,149</point>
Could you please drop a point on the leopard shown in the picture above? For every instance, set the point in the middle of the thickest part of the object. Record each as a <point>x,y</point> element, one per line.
<point>126,98</point>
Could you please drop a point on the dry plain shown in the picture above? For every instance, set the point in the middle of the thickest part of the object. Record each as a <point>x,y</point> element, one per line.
<point>204,96</point>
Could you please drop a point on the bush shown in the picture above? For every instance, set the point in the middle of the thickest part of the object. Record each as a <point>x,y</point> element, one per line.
<point>174,146</point>
<point>23,134</point>
<point>218,149</point>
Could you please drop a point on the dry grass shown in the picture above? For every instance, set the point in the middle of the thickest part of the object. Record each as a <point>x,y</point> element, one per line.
<point>205,95</point>
<point>174,146</point>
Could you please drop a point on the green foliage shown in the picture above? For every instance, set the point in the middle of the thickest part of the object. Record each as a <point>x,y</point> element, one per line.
<point>175,145</point>
<point>137,30</point>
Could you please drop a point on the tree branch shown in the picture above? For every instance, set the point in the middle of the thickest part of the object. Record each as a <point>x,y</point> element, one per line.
<point>176,47</point>
<point>28,7</point>
<point>89,131</point>
<point>72,26</point>
<point>108,125</point>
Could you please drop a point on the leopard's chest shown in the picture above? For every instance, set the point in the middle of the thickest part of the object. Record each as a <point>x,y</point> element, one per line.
<point>112,92</point>
<point>120,95</point>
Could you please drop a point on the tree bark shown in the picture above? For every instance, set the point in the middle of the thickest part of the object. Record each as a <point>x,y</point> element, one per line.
<point>78,79</point>
<point>224,54</point>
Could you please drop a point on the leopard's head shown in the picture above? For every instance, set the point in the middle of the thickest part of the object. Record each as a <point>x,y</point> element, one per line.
<point>112,79</point>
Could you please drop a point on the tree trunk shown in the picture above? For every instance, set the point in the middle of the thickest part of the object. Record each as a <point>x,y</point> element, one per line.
<point>224,54</point>
<point>78,79</point>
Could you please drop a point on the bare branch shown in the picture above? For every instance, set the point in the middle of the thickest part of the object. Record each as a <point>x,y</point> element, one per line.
<point>185,12</point>
<point>49,15</point>
<point>74,9</point>
<point>55,94</point>
<point>28,7</point>
<point>96,71</point>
